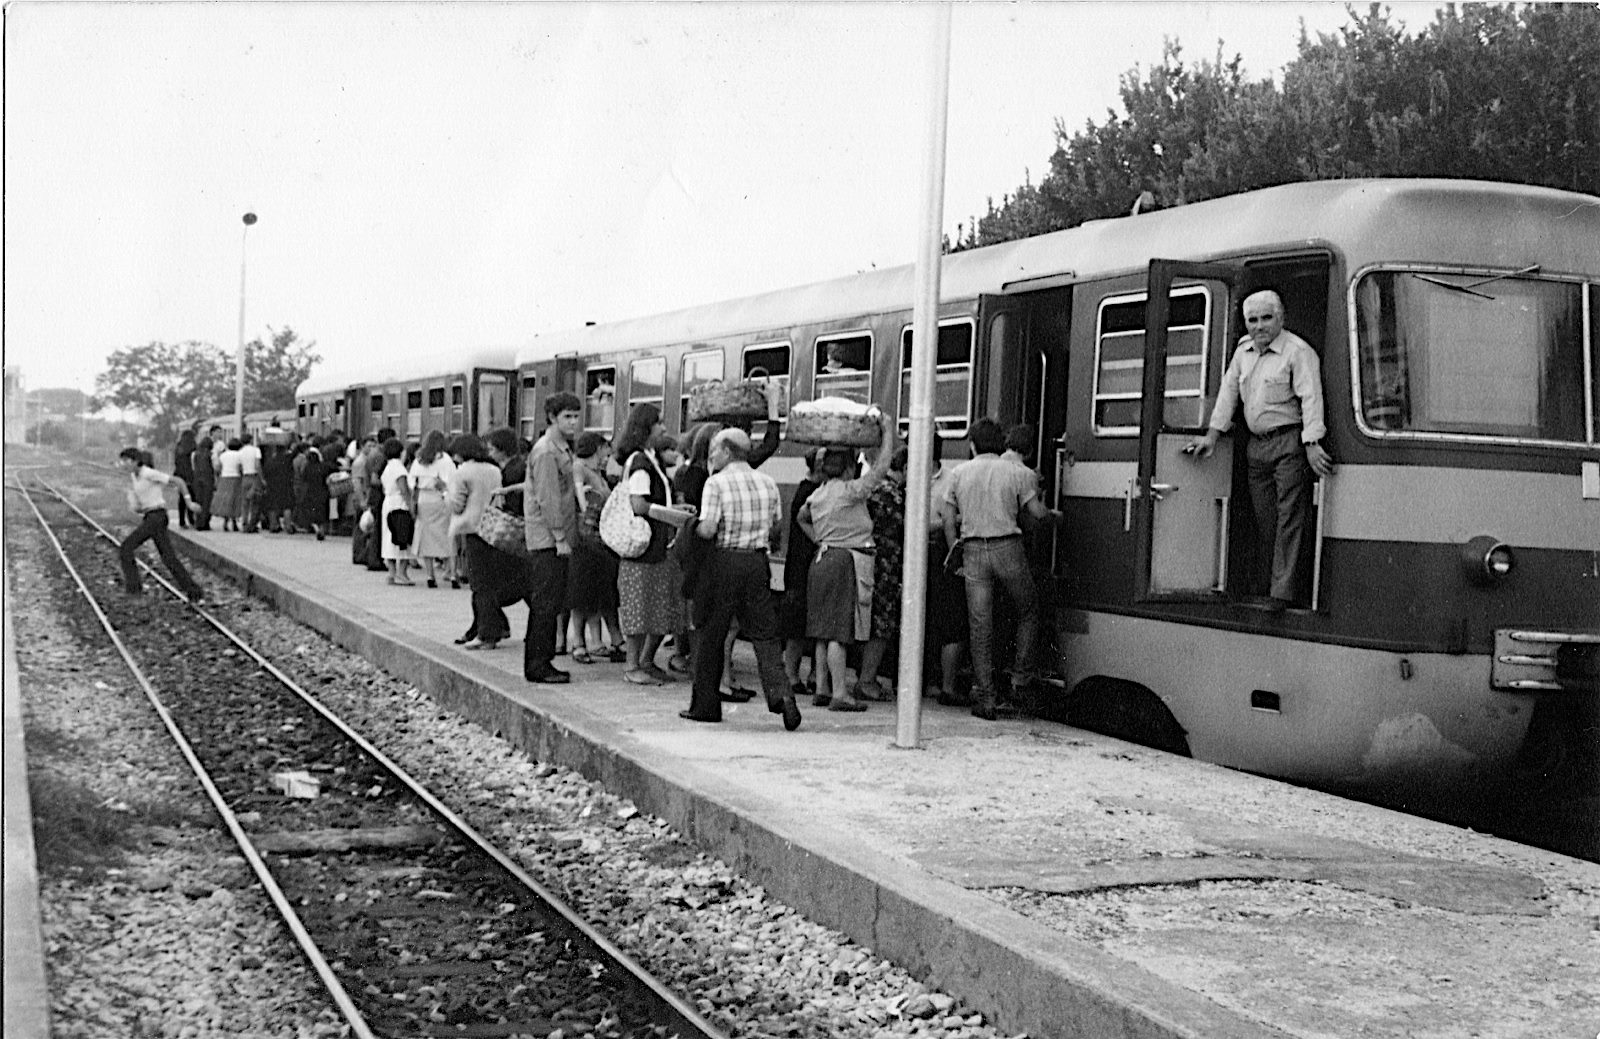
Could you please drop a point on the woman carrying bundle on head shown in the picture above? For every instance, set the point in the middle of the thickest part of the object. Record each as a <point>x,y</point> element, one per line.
<point>839,590</point>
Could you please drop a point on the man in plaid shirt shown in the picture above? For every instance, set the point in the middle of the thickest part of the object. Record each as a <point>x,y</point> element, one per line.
<point>742,513</point>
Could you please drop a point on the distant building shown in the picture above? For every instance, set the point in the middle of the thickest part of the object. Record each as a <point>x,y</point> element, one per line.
<point>16,408</point>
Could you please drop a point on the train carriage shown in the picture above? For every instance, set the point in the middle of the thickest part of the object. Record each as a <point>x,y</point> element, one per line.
<point>453,391</point>
<point>1453,624</point>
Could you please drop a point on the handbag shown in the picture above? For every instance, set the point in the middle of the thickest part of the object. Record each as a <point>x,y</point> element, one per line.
<point>501,529</point>
<point>402,525</point>
<point>589,509</point>
<point>623,532</point>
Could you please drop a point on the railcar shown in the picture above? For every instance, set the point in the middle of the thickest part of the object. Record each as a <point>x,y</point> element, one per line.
<point>452,391</point>
<point>1453,627</point>
<point>255,422</point>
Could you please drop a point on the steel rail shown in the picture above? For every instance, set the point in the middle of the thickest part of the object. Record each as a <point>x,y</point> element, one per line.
<point>683,1015</point>
<point>302,936</point>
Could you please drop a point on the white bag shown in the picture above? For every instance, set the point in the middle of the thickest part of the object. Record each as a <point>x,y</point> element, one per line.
<point>625,533</point>
<point>367,522</point>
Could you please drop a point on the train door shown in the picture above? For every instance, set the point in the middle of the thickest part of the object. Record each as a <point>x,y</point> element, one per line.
<point>354,412</point>
<point>493,408</point>
<point>1024,376</point>
<point>1185,505</point>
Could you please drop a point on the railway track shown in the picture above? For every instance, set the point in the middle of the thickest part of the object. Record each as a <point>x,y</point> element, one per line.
<point>416,924</point>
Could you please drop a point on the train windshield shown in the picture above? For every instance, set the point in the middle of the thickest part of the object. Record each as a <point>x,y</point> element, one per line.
<point>1475,355</point>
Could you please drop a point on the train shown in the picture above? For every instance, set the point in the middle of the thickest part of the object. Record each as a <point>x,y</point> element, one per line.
<point>1452,636</point>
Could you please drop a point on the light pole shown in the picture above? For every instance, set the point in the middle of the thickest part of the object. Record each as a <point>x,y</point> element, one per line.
<point>238,368</point>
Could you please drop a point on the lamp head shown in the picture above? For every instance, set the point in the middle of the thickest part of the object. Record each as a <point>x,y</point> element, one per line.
<point>249,218</point>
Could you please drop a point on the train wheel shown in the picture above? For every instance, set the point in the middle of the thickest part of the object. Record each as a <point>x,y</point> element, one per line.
<point>1127,711</point>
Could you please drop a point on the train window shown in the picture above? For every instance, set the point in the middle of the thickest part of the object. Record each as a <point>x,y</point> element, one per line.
<point>647,382</point>
<point>772,361</point>
<point>338,406</point>
<point>458,395</point>
<point>376,404</point>
<point>302,411</point>
<point>952,380</point>
<point>1119,361</point>
<point>1473,354</point>
<point>527,405</point>
<point>844,367</point>
<point>600,398</point>
<point>414,400</point>
<point>436,396</point>
<point>699,368</point>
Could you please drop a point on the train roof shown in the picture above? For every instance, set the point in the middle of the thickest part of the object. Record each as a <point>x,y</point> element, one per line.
<point>1399,220</point>
<point>382,371</point>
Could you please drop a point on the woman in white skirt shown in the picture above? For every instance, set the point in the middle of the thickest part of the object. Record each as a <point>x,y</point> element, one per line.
<point>396,500</point>
<point>430,485</point>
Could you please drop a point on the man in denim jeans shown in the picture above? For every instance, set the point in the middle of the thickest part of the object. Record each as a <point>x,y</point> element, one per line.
<point>986,498</point>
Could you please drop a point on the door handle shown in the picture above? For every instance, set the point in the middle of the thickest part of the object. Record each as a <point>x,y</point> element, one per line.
<point>1158,490</point>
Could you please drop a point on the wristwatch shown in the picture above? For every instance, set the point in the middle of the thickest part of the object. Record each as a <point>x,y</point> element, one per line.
<point>1313,443</point>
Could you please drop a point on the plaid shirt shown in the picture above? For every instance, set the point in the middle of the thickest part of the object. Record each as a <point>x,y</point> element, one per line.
<point>744,504</point>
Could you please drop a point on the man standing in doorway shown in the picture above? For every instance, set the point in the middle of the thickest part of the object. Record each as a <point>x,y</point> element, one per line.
<point>1276,375</point>
<point>549,510</point>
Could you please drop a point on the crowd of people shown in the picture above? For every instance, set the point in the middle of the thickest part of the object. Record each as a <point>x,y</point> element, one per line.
<point>701,580</point>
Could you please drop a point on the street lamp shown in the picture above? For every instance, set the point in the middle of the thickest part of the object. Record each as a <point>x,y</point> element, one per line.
<point>238,369</point>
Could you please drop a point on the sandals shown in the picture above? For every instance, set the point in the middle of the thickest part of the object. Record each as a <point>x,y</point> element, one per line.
<point>659,675</point>
<point>616,655</point>
<point>678,664</point>
<point>821,701</point>
<point>481,644</point>
<point>581,656</point>
<point>401,580</point>
<point>847,706</point>
<point>640,677</point>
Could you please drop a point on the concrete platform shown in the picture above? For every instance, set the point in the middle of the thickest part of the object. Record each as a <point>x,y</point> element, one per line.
<point>27,999</point>
<point>1064,883</point>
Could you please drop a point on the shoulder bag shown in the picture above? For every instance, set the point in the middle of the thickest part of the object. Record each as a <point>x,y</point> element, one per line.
<point>501,529</point>
<point>623,532</point>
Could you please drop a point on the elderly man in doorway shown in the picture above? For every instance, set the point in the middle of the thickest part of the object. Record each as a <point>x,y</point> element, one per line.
<point>1276,375</point>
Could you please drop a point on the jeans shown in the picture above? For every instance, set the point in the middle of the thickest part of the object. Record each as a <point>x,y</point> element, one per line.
<point>547,598</point>
<point>153,527</point>
<point>739,586</point>
<point>987,562</point>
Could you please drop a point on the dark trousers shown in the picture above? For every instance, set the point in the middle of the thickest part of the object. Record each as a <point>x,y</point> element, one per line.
<point>739,587</point>
<point>153,527</point>
<point>183,509</point>
<point>547,597</point>
<point>987,562</point>
<point>375,539</point>
<point>1280,493</point>
<point>203,490</point>
<point>498,580</point>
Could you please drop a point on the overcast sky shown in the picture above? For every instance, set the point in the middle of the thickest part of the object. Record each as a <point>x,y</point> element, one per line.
<point>430,175</point>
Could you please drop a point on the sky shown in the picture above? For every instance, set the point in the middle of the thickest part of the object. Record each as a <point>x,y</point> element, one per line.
<point>437,175</point>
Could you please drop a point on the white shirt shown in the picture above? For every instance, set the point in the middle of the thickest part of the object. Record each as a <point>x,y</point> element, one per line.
<point>250,459</point>
<point>229,464</point>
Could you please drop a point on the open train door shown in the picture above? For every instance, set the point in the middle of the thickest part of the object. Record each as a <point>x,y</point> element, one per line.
<point>1022,386</point>
<point>1183,502</point>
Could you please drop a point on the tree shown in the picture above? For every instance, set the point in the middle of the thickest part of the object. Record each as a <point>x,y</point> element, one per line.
<point>170,382</point>
<point>1509,93</point>
<point>274,372</point>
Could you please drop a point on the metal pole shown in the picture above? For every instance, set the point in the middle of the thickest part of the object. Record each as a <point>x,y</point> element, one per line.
<point>238,362</point>
<point>924,358</point>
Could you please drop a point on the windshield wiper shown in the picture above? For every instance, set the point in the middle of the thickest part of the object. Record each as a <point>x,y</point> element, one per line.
<point>1471,287</point>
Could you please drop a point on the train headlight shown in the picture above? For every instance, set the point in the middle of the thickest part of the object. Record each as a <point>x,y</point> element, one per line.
<point>1487,560</point>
